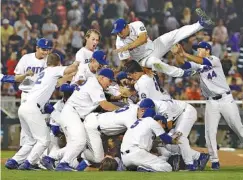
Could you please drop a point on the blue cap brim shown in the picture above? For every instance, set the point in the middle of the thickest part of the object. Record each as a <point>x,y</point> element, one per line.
<point>115,31</point>
<point>195,47</point>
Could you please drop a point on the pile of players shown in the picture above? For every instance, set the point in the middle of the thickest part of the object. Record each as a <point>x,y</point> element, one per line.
<point>97,102</point>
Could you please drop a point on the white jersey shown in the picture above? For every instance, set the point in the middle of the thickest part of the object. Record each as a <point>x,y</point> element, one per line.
<point>87,97</point>
<point>29,62</point>
<point>114,90</point>
<point>170,109</point>
<point>45,85</point>
<point>84,55</point>
<point>116,122</point>
<point>55,115</point>
<point>139,52</point>
<point>148,87</point>
<point>83,73</point>
<point>141,134</point>
<point>1,77</point>
<point>212,78</point>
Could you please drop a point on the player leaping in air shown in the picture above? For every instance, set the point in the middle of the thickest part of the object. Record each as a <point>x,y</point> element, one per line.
<point>133,42</point>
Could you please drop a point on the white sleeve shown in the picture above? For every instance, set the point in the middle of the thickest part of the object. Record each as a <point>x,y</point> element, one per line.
<point>138,27</point>
<point>96,93</point>
<point>20,68</point>
<point>1,76</point>
<point>155,127</point>
<point>59,71</point>
<point>142,89</point>
<point>211,61</point>
<point>80,75</point>
<point>79,56</point>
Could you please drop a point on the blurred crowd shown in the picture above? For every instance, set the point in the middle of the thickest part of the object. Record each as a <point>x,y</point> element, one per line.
<point>66,21</point>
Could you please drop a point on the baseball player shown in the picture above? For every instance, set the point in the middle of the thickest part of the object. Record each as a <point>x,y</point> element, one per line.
<point>133,42</point>
<point>34,62</point>
<point>92,39</point>
<point>180,116</point>
<point>31,113</point>
<point>137,143</point>
<point>219,100</point>
<point>146,85</point>
<point>86,98</point>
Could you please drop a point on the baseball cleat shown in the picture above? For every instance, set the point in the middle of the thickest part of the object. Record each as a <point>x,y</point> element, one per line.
<point>48,162</point>
<point>190,167</point>
<point>11,164</point>
<point>144,169</point>
<point>176,162</point>
<point>27,166</point>
<point>64,167</point>
<point>204,20</point>
<point>82,166</point>
<point>202,161</point>
<point>215,166</point>
<point>158,67</point>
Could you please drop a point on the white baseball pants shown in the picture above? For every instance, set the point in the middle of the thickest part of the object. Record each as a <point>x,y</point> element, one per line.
<point>140,157</point>
<point>184,125</point>
<point>163,44</point>
<point>37,133</point>
<point>74,131</point>
<point>226,107</point>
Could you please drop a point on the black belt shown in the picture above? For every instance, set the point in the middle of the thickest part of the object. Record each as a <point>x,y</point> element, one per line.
<point>125,152</point>
<point>218,96</point>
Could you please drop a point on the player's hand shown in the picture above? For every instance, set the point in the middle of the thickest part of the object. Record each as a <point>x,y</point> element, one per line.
<point>29,73</point>
<point>125,92</point>
<point>175,137</point>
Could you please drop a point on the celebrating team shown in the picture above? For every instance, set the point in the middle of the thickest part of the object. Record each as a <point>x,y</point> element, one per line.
<point>93,104</point>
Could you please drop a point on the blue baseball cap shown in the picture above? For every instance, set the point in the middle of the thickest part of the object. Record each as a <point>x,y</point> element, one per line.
<point>150,112</point>
<point>100,56</point>
<point>202,44</point>
<point>147,103</point>
<point>44,43</point>
<point>106,72</point>
<point>118,26</point>
<point>121,75</point>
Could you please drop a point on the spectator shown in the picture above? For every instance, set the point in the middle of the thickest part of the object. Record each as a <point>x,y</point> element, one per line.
<point>61,12</point>
<point>236,89</point>
<point>226,64</point>
<point>179,88</point>
<point>74,15</point>
<point>153,29</point>
<point>220,32</point>
<point>49,28</point>
<point>15,41</point>
<point>11,63</point>
<point>216,48</point>
<point>234,44</point>
<point>77,38</point>
<point>6,31</point>
<point>132,17</point>
<point>186,16</point>
<point>22,25</point>
<point>170,22</point>
<point>110,10</point>
<point>193,92</point>
<point>122,8</point>
<point>47,11</point>
<point>141,7</point>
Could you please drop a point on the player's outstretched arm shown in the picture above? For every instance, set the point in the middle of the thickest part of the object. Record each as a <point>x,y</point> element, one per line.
<point>21,77</point>
<point>65,78</point>
<point>142,39</point>
<point>108,106</point>
<point>72,68</point>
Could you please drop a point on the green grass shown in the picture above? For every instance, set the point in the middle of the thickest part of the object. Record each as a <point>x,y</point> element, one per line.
<point>226,173</point>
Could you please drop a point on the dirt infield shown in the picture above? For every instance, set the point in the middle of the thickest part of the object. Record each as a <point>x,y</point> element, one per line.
<point>228,158</point>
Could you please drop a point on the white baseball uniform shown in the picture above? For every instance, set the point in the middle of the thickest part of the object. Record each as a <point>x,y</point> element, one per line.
<point>109,123</point>
<point>184,116</point>
<point>148,87</point>
<point>31,117</point>
<point>83,101</point>
<point>84,55</point>
<point>29,62</point>
<point>137,143</point>
<point>151,53</point>
<point>219,102</point>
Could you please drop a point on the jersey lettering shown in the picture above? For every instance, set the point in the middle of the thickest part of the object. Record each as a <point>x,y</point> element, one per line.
<point>35,70</point>
<point>122,109</point>
<point>135,124</point>
<point>211,75</point>
<point>41,75</point>
<point>77,87</point>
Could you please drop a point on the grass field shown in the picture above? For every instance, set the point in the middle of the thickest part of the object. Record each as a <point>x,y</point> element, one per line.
<point>226,173</point>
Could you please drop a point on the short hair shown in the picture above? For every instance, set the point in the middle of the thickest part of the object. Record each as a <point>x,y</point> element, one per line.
<point>53,59</point>
<point>88,33</point>
<point>108,164</point>
<point>132,66</point>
